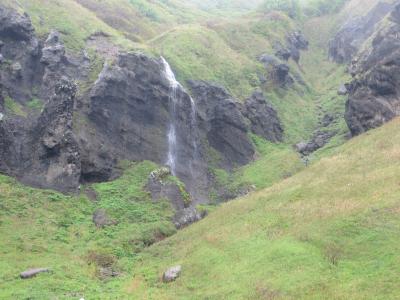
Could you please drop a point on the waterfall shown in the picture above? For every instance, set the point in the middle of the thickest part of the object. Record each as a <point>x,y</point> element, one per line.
<point>173,146</point>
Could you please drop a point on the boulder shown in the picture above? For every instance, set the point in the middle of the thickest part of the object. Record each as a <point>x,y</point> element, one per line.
<point>161,185</point>
<point>281,52</point>
<point>187,216</point>
<point>101,219</point>
<point>172,274</point>
<point>342,90</point>
<point>33,272</point>
<point>281,75</point>
<point>297,40</point>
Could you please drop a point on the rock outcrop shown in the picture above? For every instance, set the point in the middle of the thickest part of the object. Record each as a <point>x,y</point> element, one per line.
<point>374,93</point>
<point>263,118</point>
<point>276,66</point>
<point>352,35</point>
<point>126,114</point>
<point>223,124</point>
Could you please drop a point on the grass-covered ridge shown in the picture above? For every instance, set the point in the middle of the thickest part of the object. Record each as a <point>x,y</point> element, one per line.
<point>329,232</point>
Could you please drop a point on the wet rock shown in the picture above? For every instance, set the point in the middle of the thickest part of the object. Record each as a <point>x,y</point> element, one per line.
<point>263,118</point>
<point>33,272</point>
<point>172,274</point>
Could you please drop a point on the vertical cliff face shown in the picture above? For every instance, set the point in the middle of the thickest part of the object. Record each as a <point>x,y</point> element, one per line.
<point>374,93</point>
<point>352,35</point>
<point>135,110</point>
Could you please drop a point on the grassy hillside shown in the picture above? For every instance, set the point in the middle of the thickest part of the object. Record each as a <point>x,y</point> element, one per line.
<point>40,228</point>
<point>330,232</point>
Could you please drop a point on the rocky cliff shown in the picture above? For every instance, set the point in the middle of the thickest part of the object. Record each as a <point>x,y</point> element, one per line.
<point>369,45</point>
<point>55,134</point>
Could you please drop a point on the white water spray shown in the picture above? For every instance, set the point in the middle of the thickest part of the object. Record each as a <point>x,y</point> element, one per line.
<point>172,135</point>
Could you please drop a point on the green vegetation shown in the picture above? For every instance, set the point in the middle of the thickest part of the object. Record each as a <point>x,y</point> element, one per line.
<point>45,228</point>
<point>13,107</point>
<point>35,104</point>
<point>329,232</point>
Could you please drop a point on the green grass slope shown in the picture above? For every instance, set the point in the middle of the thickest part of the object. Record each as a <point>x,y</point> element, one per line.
<point>329,232</point>
<point>40,228</point>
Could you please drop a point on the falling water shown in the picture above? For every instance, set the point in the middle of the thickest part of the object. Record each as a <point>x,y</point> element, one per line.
<point>172,136</point>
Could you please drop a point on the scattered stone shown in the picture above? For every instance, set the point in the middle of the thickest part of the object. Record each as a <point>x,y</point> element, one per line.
<point>101,219</point>
<point>172,274</point>
<point>342,91</point>
<point>107,272</point>
<point>91,194</point>
<point>33,272</point>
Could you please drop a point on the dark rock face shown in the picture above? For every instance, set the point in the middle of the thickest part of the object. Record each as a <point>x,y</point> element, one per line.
<point>355,32</point>
<point>129,106</point>
<point>374,94</point>
<point>44,152</point>
<point>263,118</point>
<point>126,113</point>
<point>223,123</point>
<point>20,51</point>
